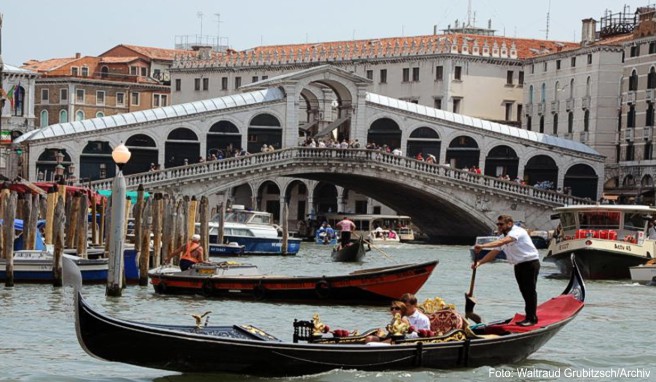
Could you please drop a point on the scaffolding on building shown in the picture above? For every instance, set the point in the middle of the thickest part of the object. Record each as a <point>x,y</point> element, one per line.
<point>188,42</point>
<point>612,24</point>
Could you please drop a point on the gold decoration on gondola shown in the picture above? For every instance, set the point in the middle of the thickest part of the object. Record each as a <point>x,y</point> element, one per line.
<point>318,327</point>
<point>433,305</point>
<point>398,327</point>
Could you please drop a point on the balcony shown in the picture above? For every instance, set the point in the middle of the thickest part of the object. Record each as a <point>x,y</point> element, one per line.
<point>627,135</point>
<point>631,97</point>
<point>648,133</point>
<point>569,104</point>
<point>585,103</point>
<point>555,105</point>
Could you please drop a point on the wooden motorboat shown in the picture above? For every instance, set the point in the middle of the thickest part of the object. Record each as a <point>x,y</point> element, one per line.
<point>229,249</point>
<point>228,279</point>
<point>606,239</point>
<point>352,252</point>
<point>483,240</point>
<point>644,273</point>
<point>245,349</point>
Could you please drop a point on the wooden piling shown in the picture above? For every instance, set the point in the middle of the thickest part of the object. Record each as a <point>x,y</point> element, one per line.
<point>191,217</point>
<point>59,217</point>
<point>73,210</point>
<point>103,213</point>
<point>158,209</point>
<point>9,204</point>
<point>285,229</point>
<point>106,221</point>
<point>204,226</point>
<point>4,197</point>
<point>144,256</point>
<point>168,219</point>
<point>51,202</point>
<point>94,222</point>
<point>220,235</point>
<point>26,206</point>
<point>138,212</point>
<point>34,219</point>
<point>82,224</point>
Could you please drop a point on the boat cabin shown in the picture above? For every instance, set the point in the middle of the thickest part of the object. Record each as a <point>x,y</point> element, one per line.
<point>612,222</point>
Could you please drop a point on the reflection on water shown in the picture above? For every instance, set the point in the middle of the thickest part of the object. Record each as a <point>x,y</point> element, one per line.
<point>38,340</point>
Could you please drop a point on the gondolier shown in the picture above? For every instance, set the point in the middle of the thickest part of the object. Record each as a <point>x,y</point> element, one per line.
<point>521,252</point>
<point>192,253</point>
<point>346,226</point>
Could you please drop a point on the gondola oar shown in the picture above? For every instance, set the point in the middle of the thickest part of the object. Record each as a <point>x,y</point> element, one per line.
<point>371,245</point>
<point>470,301</point>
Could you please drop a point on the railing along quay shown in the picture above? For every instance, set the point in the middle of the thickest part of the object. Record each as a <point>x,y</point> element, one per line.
<point>211,169</point>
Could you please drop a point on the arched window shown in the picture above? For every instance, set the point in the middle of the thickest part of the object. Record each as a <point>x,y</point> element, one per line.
<point>570,122</point>
<point>555,124</point>
<point>571,88</point>
<point>633,81</point>
<point>543,93</point>
<point>630,117</point>
<point>542,123</point>
<point>63,116</point>
<point>104,72</point>
<point>79,115</point>
<point>530,94</point>
<point>651,78</point>
<point>586,120</point>
<point>587,87</point>
<point>100,114</point>
<point>44,118</point>
<point>529,123</point>
<point>649,117</point>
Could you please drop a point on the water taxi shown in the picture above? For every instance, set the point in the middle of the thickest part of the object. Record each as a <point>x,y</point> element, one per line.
<point>378,228</point>
<point>606,239</point>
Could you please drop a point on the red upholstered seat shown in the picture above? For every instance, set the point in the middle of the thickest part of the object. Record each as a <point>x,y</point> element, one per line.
<point>549,312</point>
<point>443,321</point>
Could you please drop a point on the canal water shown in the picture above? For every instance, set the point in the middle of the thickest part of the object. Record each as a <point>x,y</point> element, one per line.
<point>613,334</point>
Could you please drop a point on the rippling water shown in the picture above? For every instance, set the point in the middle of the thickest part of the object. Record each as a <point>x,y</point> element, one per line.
<point>614,330</point>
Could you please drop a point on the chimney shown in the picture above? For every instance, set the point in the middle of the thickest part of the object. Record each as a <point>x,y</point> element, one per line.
<point>434,29</point>
<point>78,55</point>
<point>588,31</point>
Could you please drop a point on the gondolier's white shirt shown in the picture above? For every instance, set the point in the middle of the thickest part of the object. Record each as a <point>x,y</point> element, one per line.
<point>521,249</point>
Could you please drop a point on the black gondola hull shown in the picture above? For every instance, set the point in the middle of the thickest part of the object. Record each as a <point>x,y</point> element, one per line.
<point>352,253</point>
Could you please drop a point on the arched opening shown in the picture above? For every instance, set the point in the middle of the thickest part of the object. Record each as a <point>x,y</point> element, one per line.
<point>325,199</point>
<point>542,171</point>
<point>633,81</point>
<point>463,152</point>
<point>268,199</point>
<point>47,162</point>
<point>501,161</point>
<point>243,195</point>
<point>555,124</point>
<point>43,122</point>
<point>144,153</point>
<point>264,129</point>
<point>297,191</point>
<point>96,161</point>
<point>181,148</point>
<point>424,140</point>
<point>651,78</point>
<point>104,72</point>
<point>222,139</point>
<point>79,115</point>
<point>385,131</point>
<point>542,124</point>
<point>19,101</point>
<point>582,180</point>
<point>63,116</point>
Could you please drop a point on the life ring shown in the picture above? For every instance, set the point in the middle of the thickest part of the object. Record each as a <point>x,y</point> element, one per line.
<point>322,289</point>
<point>208,288</point>
<point>160,288</point>
<point>259,292</point>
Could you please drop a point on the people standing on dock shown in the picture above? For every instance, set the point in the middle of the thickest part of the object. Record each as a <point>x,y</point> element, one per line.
<point>521,252</point>
<point>190,253</point>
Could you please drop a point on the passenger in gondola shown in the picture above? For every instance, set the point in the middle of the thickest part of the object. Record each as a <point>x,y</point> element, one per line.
<point>384,334</point>
<point>190,253</point>
<point>417,319</point>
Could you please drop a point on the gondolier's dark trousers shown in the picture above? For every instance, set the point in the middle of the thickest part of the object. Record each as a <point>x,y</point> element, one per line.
<point>346,237</point>
<point>526,274</point>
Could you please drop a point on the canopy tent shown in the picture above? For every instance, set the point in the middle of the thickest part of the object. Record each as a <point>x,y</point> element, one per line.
<point>130,194</point>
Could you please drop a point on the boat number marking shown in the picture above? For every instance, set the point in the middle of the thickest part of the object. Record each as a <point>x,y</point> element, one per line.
<point>563,246</point>
<point>623,247</point>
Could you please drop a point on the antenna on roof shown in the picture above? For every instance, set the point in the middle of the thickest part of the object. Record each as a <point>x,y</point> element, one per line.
<point>469,13</point>
<point>546,37</point>
<point>200,16</point>
<point>218,31</point>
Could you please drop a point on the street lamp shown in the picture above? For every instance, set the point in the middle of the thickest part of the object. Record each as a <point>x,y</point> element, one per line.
<point>121,156</point>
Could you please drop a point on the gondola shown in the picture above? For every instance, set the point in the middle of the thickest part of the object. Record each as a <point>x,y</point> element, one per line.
<point>242,280</point>
<point>245,349</point>
<point>353,252</point>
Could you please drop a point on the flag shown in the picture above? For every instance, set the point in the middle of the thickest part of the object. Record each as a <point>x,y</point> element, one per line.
<point>10,96</point>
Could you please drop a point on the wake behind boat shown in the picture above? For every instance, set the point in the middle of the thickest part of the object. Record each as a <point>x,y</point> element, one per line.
<point>246,349</point>
<point>238,280</point>
<point>606,239</point>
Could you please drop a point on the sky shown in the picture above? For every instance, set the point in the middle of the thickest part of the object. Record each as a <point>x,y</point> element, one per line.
<point>42,29</point>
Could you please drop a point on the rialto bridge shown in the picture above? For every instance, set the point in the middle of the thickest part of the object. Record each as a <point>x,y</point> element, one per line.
<point>443,200</point>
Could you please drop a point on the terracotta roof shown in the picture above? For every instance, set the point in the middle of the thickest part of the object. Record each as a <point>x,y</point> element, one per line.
<point>119,60</point>
<point>465,44</point>
<point>615,40</point>
<point>47,65</point>
<point>157,53</point>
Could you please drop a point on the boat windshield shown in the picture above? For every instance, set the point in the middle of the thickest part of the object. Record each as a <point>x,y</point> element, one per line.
<point>248,217</point>
<point>594,219</point>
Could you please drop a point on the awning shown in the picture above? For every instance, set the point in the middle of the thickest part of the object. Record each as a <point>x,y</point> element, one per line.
<point>130,194</point>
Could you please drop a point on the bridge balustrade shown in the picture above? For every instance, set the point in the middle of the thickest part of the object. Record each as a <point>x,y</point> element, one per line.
<point>356,156</point>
